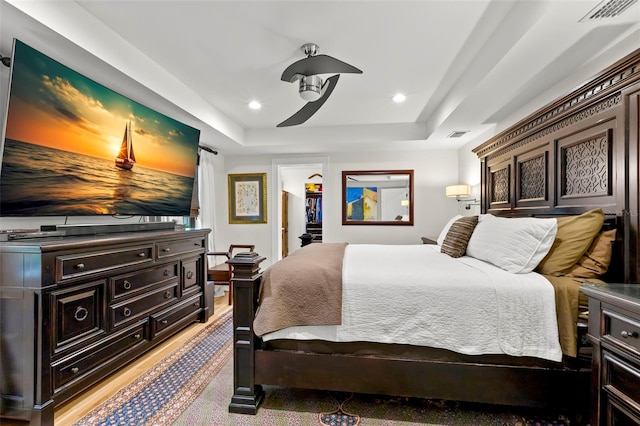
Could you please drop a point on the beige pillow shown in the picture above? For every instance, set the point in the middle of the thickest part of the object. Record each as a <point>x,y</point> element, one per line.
<point>457,238</point>
<point>574,236</point>
<point>595,262</point>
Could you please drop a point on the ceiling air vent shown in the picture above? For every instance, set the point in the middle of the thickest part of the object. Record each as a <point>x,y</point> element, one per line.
<point>458,133</point>
<point>608,9</point>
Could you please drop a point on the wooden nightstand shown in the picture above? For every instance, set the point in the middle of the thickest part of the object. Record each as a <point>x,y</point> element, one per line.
<point>614,332</point>
<point>426,240</point>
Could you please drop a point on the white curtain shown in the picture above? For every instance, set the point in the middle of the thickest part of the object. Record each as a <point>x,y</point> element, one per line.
<point>206,194</point>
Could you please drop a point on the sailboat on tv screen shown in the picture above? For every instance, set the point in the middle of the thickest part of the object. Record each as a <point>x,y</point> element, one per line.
<point>126,158</point>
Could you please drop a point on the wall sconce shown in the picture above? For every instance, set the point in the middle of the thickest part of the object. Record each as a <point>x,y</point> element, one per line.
<point>461,191</point>
<point>458,190</point>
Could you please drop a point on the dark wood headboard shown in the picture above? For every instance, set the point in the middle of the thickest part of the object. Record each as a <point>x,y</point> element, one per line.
<point>578,153</point>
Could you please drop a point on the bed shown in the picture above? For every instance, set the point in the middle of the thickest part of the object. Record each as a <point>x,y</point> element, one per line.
<point>563,162</point>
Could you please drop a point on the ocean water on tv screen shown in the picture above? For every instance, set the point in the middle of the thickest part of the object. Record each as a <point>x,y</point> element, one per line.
<point>41,181</point>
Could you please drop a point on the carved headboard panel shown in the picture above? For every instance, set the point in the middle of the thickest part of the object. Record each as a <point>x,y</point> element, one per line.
<point>578,153</point>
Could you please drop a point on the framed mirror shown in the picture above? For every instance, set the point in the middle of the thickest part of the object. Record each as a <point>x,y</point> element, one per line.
<point>377,197</point>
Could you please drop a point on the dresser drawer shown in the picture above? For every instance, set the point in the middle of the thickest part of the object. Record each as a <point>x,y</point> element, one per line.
<point>131,309</point>
<point>621,378</point>
<point>617,413</point>
<point>77,314</point>
<point>174,248</point>
<point>91,358</point>
<point>127,284</point>
<point>81,264</point>
<point>190,275</point>
<point>621,331</point>
<point>173,315</point>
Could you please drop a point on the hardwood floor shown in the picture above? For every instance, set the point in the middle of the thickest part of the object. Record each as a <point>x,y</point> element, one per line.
<point>76,408</point>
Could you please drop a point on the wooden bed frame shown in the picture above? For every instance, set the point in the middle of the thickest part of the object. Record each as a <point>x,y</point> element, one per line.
<point>578,153</point>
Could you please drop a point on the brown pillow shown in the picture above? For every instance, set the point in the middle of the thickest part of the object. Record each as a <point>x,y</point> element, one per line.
<point>596,260</point>
<point>457,238</point>
<point>574,236</point>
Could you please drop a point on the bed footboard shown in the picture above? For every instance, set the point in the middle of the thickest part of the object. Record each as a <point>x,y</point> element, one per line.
<point>247,395</point>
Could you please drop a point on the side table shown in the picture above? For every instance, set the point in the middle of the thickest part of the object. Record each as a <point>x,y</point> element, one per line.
<point>614,332</point>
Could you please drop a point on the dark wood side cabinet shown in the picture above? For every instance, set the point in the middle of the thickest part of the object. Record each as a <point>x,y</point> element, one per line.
<point>75,309</point>
<point>614,331</point>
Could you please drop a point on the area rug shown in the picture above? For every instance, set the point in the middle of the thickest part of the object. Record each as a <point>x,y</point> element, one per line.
<point>301,407</point>
<point>193,386</point>
<point>167,389</point>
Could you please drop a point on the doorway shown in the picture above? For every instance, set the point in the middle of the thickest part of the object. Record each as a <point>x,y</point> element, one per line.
<point>284,207</point>
<point>291,174</point>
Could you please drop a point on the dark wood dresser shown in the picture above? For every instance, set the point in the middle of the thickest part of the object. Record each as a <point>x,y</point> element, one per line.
<point>75,309</point>
<point>614,331</point>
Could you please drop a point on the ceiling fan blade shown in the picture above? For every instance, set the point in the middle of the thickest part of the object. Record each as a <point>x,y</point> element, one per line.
<point>318,64</point>
<point>311,107</point>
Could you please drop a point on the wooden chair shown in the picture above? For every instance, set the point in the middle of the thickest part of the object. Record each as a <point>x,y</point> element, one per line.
<point>221,273</point>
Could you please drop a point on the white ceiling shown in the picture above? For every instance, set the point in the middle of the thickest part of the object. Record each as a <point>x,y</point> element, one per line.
<point>474,65</point>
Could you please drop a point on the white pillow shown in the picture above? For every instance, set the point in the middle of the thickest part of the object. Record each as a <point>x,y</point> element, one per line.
<point>444,231</point>
<point>516,245</point>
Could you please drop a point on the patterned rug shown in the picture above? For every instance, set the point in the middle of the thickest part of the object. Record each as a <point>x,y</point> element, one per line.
<point>193,386</point>
<point>166,390</point>
<point>303,407</point>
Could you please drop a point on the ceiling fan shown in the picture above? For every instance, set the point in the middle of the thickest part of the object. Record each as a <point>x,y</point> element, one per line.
<point>312,89</point>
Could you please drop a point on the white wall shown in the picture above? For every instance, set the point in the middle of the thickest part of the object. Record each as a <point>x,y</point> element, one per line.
<point>469,173</point>
<point>433,170</point>
<point>225,234</point>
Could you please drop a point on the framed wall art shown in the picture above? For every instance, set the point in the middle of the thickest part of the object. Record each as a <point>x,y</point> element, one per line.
<point>248,198</point>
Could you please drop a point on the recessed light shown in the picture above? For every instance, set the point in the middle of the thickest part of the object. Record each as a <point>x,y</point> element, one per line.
<point>398,98</point>
<point>255,105</point>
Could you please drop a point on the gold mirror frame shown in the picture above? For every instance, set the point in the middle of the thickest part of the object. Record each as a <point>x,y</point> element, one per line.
<point>377,197</point>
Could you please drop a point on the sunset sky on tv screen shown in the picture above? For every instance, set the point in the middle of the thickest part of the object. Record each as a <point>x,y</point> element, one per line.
<point>54,106</point>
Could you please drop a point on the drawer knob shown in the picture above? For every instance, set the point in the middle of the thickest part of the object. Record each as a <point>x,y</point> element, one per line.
<point>143,254</point>
<point>167,272</point>
<point>75,370</point>
<point>189,275</point>
<point>196,304</point>
<point>80,266</point>
<point>81,313</point>
<point>628,334</point>
<point>164,322</point>
<point>126,284</point>
<point>166,249</point>
<point>126,312</point>
<point>137,336</point>
<point>167,294</point>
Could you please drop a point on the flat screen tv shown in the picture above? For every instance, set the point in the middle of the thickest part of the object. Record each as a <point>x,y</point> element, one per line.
<point>73,147</point>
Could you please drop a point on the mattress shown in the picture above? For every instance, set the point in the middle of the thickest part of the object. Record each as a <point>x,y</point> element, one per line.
<point>413,294</point>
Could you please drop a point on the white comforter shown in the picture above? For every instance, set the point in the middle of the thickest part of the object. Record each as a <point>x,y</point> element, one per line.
<point>413,294</point>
